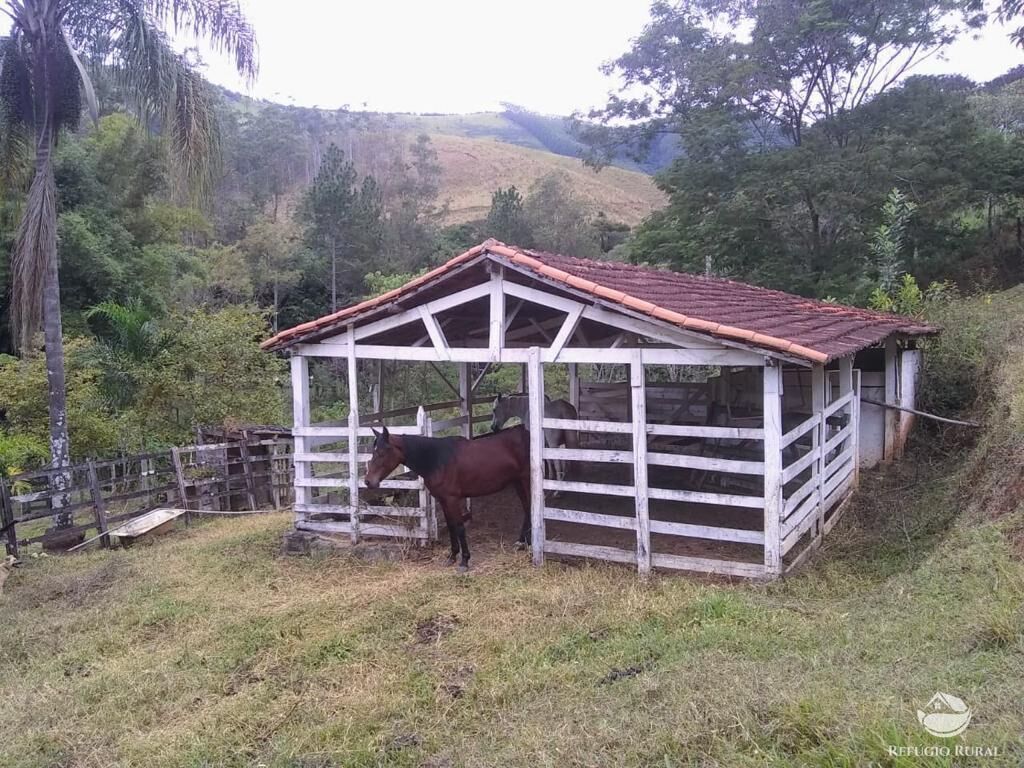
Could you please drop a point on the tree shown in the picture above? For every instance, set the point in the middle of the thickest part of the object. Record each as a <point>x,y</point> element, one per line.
<point>272,254</point>
<point>1011,10</point>
<point>506,220</point>
<point>43,82</point>
<point>343,221</point>
<point>558,218</point>
<point>886,242</point>
<point>804,61</point>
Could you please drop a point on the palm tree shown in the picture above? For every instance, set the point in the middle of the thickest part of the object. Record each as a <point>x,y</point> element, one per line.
<point>43,84</point>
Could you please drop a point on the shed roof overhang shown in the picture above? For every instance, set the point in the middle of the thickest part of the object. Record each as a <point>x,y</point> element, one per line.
<point>692,308</point>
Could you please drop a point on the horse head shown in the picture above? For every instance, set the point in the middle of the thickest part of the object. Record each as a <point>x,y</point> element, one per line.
<point>387,454</point>
<point>499,413</point>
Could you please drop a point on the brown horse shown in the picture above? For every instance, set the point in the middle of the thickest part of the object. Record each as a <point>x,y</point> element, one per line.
<point>454,469</point>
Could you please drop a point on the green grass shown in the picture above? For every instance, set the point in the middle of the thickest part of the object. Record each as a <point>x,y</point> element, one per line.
<point>209,649</point>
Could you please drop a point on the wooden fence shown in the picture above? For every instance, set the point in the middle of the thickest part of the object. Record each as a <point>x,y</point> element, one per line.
<point>250,472</point>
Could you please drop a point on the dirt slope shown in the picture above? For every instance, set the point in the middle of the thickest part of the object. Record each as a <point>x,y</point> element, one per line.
<point>473,168</point>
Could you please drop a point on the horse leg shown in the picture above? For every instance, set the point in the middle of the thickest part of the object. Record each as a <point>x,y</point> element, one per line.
<point>523,491</point>
<point>557,468</point>
<point>450,519</point>
<point>571,439</point>
<point>461,514</point>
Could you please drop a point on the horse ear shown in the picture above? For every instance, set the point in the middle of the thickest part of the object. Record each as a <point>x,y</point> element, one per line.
<point>376,434</point>
<point>385,432</point>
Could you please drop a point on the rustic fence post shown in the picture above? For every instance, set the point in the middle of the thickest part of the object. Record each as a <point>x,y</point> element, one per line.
<point>7,518</point>
<point>180,474</point>
<point>250,486</point>
<point>99,508</point>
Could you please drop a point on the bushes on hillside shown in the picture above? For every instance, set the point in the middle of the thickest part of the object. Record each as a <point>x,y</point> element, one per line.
<point>144,383</point>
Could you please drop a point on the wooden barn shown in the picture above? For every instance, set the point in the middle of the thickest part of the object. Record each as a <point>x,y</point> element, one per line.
<point>720,424</point>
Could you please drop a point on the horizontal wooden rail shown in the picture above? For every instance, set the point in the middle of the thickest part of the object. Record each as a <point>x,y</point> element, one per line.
<point>589,518</point>
<point>798,466</point>
<point>703,497</point>
<point>708,565</point>
<point>840,403</point>
<point>800,430</point>
<point>680,460</point>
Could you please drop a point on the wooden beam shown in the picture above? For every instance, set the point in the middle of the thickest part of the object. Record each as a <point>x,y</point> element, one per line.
<point>353,436</point>
<point>637,382</point>
<point>724,357</point>
<point>543,298</point>
<point>466,399</point>
<point>497,313</point>
<point>847,386</point>
<point>574,386</point>
<point>891,416</point>
<point>535,377</point>
<point>431,520</point>
<point>818,382</point>
<point>512,316</point>
<point>772,392</point>
<point>617,309</point>
<point>480,376</point>
<point>566,331</point>
<point>452,387</point>
<point>300,418</point>
<point>541,330</point>
<point>648,329</point>
<point>436,334</point>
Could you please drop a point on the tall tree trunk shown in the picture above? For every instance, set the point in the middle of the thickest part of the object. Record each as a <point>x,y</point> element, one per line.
<point>38,245</point>
<point>334,276</point>
<point>276,303</point>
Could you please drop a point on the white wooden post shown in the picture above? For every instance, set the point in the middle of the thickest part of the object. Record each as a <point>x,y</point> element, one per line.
<point>535,376</point>
<point>643,521</point>
<point>892,398</point>
<point>426,500</point>
<point>300,418</point>
<point>846,385</point>
<point>466,399</point>
<point>820,434</point>
<point>772,468</point>
<point>497,325</point>
<point>426,524</point>
<point>856,427</point>
<point>353,436</point>
<point>378,389</point>
<point>574,386</point>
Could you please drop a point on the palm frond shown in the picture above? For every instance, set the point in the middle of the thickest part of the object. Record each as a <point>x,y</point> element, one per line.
<point>15,108</point>
<point>35,246</point>
<point>87,86</point>
<point>220,22</point>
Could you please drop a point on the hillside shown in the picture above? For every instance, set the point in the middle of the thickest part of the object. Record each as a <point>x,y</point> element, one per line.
<point>473,168</point>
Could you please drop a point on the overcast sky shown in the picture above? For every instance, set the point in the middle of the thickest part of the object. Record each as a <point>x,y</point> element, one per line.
<point>470,55</point>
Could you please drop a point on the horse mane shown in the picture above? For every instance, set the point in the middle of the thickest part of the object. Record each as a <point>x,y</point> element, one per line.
<point>425,455</point>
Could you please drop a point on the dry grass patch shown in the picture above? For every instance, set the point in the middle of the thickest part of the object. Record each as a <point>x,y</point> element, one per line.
<point>209,649</point>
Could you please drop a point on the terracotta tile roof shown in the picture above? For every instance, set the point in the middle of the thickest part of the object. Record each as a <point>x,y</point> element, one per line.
<point>758,317</point>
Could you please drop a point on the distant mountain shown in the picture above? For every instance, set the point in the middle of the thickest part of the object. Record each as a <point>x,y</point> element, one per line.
<point>519,126</point>
<point>478,152</point>
<point>473,167</point>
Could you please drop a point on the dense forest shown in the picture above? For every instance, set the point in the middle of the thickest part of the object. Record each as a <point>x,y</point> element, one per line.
<point>807,158</point>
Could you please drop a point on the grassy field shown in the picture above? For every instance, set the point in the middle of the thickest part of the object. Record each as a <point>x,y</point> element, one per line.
<point>472,168</point>
<point>208,648</point>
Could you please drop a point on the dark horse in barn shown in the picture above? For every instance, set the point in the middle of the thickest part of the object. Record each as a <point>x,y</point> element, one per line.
<point>455,469</point>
